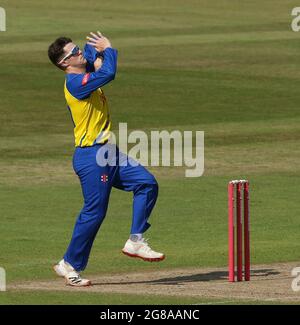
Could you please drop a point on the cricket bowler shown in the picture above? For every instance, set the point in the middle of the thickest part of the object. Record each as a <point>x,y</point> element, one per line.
<point>85,74</point>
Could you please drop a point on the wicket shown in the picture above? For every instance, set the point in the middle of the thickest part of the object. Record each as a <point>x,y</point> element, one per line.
<point>238,189</point>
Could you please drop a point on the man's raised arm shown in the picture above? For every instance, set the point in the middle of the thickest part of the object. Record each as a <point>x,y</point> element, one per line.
<point>82,85</point>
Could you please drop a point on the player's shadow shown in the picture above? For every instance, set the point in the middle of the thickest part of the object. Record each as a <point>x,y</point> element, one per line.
<point>202,277</point>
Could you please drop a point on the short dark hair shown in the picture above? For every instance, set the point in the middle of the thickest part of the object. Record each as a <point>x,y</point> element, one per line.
<point>56,50</point>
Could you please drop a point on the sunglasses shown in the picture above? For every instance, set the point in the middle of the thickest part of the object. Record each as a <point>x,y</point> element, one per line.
<point>75,50</point>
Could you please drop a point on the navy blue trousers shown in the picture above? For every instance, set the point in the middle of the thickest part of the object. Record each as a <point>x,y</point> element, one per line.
<point>96,183</point>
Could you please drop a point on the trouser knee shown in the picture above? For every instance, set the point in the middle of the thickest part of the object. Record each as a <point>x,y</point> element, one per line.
<point>154,188</point>
<point>151,188</point>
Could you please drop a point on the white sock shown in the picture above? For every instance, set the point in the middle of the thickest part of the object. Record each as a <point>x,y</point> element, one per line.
<point>136,237</point>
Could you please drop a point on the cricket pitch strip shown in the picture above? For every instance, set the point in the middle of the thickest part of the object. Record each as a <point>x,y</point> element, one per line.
<point>269,282</point>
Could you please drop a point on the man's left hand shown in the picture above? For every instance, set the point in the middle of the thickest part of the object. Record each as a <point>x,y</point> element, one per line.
<point>98,41</point>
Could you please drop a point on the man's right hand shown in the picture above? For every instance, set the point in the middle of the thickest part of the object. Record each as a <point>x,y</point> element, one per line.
<point>98,41</point>
<point>98,63</point>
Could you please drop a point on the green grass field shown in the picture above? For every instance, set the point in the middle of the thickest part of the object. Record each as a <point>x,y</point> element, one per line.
<point>228,68</point>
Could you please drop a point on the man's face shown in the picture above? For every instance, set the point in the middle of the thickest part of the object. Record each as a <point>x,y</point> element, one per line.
<point>73,60</point>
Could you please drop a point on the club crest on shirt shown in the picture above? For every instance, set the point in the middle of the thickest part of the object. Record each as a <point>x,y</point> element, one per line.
<point>85,79</point>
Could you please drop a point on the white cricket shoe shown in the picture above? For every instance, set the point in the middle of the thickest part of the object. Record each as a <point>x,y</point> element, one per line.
<point>142,250</point>
<point>72,277</point>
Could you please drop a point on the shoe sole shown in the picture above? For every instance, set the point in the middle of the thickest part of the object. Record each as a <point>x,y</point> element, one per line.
<point>89,283</point>
<point>156,259</point>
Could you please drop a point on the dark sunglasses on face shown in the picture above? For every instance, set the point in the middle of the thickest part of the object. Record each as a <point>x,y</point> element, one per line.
<point>75,50</point>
